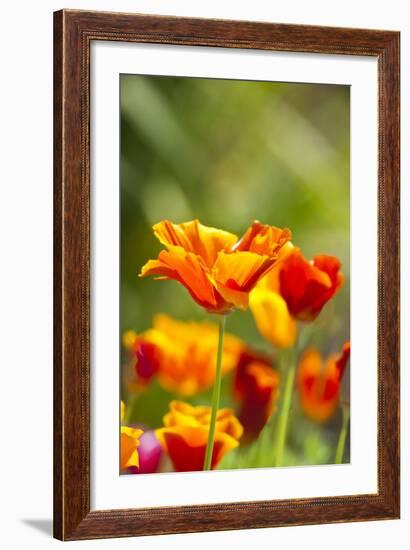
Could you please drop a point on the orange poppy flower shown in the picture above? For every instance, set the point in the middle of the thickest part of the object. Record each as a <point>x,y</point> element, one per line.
<point>256,386</point>
<point>319,381</point>
<point>215,267</point>
<point>182,354</point>
<point>129,443</point>
<point>185,435</point>
<point>305,286</point>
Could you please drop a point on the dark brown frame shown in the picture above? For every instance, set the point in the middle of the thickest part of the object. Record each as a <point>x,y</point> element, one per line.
<point>73,33</point>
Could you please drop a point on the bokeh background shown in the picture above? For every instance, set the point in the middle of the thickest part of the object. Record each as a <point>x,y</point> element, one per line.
<point>228,152</point>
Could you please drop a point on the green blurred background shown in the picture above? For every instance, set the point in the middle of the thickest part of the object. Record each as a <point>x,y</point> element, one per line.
<point>228,152</point>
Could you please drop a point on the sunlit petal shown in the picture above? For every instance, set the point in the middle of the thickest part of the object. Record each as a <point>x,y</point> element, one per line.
<point>241,270</point>
<point>187,269</point>
<point>272,318</point>
<point>194,237</point>
<point>266,240</point>
<point>129,447</point>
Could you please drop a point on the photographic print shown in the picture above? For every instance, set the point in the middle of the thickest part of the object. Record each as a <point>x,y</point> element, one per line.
<point>226,222</point>
<point>234,289</point>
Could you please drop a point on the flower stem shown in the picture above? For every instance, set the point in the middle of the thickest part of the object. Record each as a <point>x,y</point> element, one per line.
<point>129,411</point>
<point>291,366</point>
<point>215,395</point>
<point>284,413</point>
<point>340,450</point>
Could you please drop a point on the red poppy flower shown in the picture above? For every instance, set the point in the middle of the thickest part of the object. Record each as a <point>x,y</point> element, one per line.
<point>307,286</point>
<point>256,388</point>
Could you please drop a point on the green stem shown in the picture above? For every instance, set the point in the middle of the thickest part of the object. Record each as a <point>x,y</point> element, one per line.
<point>284,413</point>
<point>291,366</point>
<point>340,450</point>
<point>215,395</point>
<point>129,411</point>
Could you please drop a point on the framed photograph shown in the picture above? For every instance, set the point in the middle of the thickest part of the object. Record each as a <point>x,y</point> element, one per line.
<point>226,275</point>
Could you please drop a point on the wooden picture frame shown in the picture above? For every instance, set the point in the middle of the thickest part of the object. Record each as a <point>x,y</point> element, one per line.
<point>73,33</point>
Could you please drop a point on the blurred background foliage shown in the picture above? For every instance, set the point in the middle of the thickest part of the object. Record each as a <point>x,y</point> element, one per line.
<point>228,152</point>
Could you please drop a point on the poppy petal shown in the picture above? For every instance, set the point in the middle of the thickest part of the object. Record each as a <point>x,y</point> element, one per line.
<point>319,384</point>
<point>186,446</point>
<point>187,269</point>
<point>129,447</point>
<point>185,435</point>
<point>266,240</point>
<point>272,317</point>
<point>240,270</point>
<point>194,237</point>
<point>308,286</point>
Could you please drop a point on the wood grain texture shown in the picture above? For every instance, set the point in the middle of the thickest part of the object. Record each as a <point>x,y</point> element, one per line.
<point>73,32</point>
<point>58,279</point>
